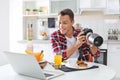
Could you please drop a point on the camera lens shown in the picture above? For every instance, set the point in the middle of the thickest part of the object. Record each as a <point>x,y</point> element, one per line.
<point>98,41</point>
<point>95,39</point>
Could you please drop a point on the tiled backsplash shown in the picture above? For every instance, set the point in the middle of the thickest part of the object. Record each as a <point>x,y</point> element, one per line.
<point>99,25</point>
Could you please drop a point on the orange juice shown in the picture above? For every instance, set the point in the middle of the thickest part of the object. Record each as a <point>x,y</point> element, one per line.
<point>37,55</point>
<point>57,61</point>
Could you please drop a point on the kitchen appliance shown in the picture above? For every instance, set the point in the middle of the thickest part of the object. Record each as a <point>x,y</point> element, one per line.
<point>103,57</point>
<point>51,22</point>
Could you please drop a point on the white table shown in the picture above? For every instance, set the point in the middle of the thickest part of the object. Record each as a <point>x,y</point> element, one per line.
<point>101,73</point>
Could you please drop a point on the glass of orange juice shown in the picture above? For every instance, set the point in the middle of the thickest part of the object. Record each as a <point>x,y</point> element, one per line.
<point>57,61</point>
<point>37,55</point>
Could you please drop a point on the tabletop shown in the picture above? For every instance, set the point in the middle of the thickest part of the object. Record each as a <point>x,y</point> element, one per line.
<point>101,73</point>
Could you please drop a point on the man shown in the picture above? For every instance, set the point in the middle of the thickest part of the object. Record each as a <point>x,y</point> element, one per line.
<point>67,41</point>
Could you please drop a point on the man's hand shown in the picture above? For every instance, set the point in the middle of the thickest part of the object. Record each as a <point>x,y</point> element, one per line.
<point>80,39</point>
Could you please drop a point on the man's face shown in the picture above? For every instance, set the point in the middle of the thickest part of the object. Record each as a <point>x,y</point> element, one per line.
<point>65,24</point>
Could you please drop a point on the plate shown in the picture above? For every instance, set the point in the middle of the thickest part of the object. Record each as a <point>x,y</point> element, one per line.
<point>73,64</point>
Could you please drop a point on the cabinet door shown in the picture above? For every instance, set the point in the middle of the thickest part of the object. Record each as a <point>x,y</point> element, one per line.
<point>113,2</point>
<point>92,3</point>
<point>113,7</point>
<point>58,5</point>
<point>114,57</point>
<point>35,17</point>
<point>98,3</point>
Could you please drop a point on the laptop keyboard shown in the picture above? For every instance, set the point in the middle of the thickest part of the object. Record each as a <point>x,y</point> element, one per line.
<point>48,75</point>
<point>42,65</point>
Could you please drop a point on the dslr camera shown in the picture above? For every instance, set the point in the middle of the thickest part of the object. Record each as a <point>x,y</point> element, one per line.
<point>93,38</point>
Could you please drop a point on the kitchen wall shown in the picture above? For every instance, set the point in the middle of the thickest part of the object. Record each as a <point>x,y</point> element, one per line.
<point>15,20</point>
<point>99,22</point>
<point>4,29</point>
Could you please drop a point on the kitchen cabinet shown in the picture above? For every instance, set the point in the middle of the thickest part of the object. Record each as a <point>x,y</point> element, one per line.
<point>107,6</point>
<point>33,5</point>
<point>38,13</point>
<point>92,5</point>
<point>113,7</point>
<point>58,5</point>
<point>52,7</point>
<point>114,56</point>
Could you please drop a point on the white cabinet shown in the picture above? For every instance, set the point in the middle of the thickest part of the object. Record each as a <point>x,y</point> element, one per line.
<point>114,56</point>
<point>58,5</point>
<point>113,7</point>
<point>33,12</point>
<point>51,6</point>
<point>35,5</point>
<point>92,5</point>
<point>107,6</point>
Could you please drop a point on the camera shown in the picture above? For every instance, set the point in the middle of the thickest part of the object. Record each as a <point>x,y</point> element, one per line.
<point>93,38</point>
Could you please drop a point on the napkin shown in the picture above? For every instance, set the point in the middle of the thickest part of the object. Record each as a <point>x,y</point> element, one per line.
<point>67,69</point>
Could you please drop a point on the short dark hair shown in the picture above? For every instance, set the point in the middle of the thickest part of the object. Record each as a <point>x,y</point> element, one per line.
<point>68,12</point>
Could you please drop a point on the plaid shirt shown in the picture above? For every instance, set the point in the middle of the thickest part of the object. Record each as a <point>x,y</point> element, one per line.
<point>59,44</point>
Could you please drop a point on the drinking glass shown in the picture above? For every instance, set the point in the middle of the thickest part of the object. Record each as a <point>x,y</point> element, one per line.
<point>57,61</point>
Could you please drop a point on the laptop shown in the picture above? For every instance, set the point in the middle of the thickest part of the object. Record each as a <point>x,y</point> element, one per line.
<point>27,65</point>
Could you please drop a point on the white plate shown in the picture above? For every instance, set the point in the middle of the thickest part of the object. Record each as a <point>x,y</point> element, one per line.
<point>78,67</point>
<point>72,64</point>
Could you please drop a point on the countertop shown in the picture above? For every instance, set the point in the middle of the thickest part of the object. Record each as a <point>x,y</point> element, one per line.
<point>35,41</point>
<point>48,41</point>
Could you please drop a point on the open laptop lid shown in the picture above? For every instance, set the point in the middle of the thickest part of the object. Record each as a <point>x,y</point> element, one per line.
<point>27,65</point>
